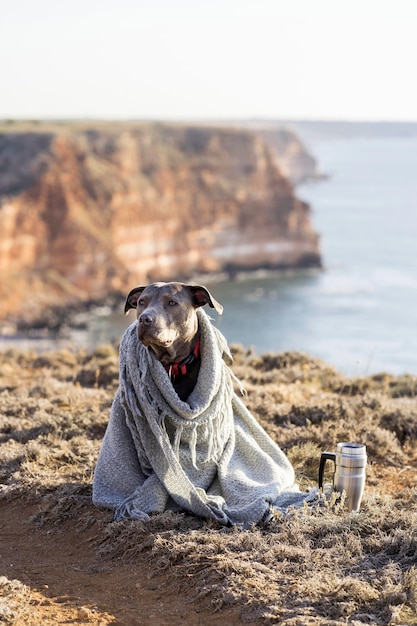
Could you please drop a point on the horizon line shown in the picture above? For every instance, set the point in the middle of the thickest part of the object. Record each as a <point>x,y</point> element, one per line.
<point>154,119</point>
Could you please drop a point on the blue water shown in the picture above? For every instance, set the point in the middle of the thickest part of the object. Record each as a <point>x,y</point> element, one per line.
<point>360,313</point>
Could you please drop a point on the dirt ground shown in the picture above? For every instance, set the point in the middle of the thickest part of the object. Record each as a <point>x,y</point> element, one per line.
<point>64,562</point>
<point>70,584</point>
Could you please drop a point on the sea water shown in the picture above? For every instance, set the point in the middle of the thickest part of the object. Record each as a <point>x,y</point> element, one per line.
<point>360,312</point>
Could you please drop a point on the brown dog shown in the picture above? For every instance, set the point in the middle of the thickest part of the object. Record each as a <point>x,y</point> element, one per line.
<point>168,325</point>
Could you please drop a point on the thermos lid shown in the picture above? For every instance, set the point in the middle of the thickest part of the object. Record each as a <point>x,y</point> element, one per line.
<point>353,449</point>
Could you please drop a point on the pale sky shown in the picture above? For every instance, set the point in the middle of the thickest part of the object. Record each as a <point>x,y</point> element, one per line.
<point>209,59</point>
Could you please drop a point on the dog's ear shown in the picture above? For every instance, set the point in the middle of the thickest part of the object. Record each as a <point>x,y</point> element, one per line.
<point>201,296</point>
<point>132,298</point>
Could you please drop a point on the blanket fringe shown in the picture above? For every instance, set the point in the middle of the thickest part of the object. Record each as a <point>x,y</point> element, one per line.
<point>177,441</point>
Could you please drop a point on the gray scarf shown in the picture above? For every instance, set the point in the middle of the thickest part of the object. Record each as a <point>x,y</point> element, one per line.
<point>208,455</point>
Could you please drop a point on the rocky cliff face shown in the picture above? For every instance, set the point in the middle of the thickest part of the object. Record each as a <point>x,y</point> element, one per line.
<point>290,154</point>
<point>85,211</point>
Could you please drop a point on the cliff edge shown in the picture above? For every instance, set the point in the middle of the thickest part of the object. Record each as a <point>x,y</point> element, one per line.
<point>90,209</point>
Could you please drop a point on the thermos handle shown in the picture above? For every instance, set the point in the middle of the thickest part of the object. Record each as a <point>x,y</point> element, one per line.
<point>325,456</point>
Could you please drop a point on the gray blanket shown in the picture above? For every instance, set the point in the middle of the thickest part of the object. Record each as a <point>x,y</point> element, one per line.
<point>208,455</point>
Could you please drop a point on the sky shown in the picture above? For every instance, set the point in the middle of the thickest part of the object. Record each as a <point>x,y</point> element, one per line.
<point>209,59</point>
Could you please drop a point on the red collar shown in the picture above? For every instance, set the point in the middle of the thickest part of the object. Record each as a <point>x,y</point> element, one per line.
<point>174,369</point>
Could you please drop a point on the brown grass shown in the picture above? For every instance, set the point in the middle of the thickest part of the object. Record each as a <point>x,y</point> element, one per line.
<point>311,567</point>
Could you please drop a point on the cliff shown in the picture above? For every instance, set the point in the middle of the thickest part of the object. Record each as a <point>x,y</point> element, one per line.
<point>290,153</point>
<point>86,210</point>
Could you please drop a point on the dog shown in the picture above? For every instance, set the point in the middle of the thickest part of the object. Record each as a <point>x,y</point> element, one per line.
<point>168,325</point>
<point>181,439</point>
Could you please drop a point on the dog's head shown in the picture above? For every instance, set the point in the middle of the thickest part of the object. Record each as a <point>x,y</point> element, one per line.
<point>167,320</point>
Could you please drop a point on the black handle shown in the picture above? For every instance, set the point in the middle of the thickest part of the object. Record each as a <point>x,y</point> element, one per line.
<point>325,456</point>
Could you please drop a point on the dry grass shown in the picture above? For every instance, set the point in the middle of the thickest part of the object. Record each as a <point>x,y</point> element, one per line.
<point>311,567</point>
<point>14,600</point>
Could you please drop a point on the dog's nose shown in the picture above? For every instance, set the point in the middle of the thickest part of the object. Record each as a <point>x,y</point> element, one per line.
<point>146,319</point>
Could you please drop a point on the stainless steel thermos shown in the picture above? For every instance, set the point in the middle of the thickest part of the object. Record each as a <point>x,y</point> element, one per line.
<point>349,474</point>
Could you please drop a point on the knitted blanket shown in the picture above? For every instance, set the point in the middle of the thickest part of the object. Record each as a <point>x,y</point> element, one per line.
<point>208,455</point>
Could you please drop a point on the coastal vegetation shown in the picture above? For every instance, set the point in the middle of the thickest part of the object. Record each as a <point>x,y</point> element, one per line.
<point>63,560</point>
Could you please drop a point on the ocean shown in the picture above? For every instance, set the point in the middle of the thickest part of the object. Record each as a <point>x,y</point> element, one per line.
<point>360,312</point>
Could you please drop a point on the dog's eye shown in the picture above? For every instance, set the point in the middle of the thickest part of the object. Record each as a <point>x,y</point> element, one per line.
<point>141,302</point>
<point>172,303</point>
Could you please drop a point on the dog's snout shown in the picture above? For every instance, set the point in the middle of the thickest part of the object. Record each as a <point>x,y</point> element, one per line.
<point>146,319</point>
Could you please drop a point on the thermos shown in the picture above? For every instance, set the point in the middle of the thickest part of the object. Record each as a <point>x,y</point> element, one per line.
<point>349,474</point>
